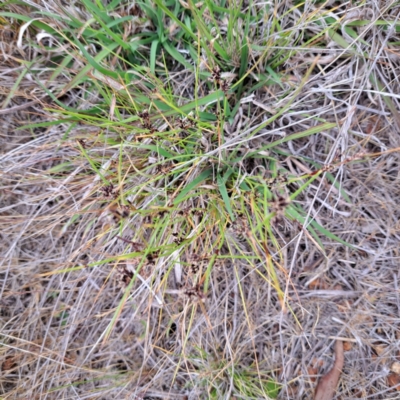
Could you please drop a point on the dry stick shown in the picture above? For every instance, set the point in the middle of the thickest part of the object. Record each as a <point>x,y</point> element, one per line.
<point>326,387</point>
<point>20,107</point>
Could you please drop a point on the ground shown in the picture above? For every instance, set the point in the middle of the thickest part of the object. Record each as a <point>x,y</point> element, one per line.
<point>199,200</point>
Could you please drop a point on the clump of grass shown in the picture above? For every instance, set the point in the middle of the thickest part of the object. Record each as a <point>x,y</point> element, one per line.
<point>189,163</point>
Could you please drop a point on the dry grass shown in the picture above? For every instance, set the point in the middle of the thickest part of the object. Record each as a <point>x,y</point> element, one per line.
<point>216,308</point>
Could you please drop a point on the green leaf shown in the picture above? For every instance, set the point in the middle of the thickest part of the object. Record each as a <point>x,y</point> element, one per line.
<point>96,11</point>
<point>329,234</point>
<point>115,37</point>
<point>63,167</point>
<point>24,18</point>
<point>93,165</point>
<point>203,176</point>
<point>303,187</point>
<point>161,151</point>
<point>275,77</point>
<point>298,217</point>
<point>94,61</point>
<point>153,54</point>
<point>178,56</point>
<point>224,193</point>
<point>294,136</point>
<point>272,389</point>
<point>113,5</point>
<point>244,56</point>
<point>205,33</point>
<point>45,124</point>
<point>175,19</point>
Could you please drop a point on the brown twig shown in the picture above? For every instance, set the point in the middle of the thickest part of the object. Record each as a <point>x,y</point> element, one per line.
<point>326,387</point>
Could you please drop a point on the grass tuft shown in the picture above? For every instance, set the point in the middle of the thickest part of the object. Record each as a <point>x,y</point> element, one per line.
<point>196,198</point>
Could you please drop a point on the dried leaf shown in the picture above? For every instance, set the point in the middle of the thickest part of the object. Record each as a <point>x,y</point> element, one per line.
<point>326,387</point>
<point>359,393</point>
<point>395,367</point>
<point>318,283</point>
<point>394,381</point>
<point>312,371</point>
<point>381,351</point>
<point>293,390</point>
<point>8,363</point>
<point>347,346</point>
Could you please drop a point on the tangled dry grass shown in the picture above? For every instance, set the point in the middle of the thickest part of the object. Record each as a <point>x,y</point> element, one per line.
<point>69,331</point>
